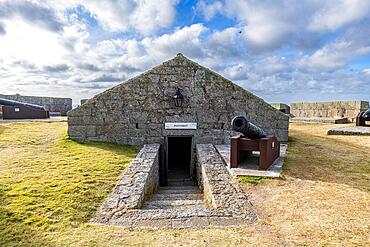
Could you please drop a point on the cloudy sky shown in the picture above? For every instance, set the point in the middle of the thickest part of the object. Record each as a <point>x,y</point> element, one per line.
<point>283,51</point>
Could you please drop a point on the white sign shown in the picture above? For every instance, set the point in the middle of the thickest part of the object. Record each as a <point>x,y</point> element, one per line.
<point>180,126</point>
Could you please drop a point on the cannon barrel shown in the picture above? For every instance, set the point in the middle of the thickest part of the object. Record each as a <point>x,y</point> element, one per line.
<point>366,115</point>
<point>242,125</point>
<point>7,102</point>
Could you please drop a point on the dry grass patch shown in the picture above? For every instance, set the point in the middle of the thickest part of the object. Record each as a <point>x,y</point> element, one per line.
<point>316,156</point>
<point>323,197</point>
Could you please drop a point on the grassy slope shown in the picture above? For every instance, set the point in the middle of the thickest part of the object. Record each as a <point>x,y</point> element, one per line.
<point>50,186</point>
<point>49,183</point>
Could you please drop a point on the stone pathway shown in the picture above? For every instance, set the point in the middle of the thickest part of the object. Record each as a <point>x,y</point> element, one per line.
<point>250,166</point>
<point>351,130</point>
<point>178,205</point>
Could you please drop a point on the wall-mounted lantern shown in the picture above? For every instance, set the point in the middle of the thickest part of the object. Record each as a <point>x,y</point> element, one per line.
<point>178,98</point>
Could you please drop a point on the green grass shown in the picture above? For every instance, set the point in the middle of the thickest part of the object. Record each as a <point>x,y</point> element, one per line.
<point>253,180</point>
<point>50,183</point>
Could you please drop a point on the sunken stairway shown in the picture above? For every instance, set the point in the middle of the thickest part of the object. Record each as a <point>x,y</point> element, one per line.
<point>181,204</point>
<point>179,194</point>
<point>181,198</point>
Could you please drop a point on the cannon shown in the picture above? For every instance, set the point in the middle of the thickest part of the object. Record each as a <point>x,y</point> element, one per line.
<point>19,110</point>
<point>362,118</point>
<point>249,130</point>
<point>8,102</point>
<point>252,138</point>
<point>366,115</point>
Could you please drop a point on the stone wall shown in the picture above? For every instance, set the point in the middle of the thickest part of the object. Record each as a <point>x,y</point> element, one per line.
<point>51,104</point>
<point>136,186</point>
<point>335,109</point>
<point>281,107</point>
<point>135,112</point>
<point>217,183</point>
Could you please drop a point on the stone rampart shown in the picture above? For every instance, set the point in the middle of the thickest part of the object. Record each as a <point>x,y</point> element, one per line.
<point>335,109</point>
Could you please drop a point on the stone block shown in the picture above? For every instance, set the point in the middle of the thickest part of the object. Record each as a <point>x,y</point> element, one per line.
<point>91,131</point>
<point>77,131</point>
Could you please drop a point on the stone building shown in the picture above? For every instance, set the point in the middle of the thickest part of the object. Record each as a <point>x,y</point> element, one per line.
<point>62,105</point>
<point>142,111</point>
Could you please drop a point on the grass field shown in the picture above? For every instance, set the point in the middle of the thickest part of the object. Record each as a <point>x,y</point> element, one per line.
<point>50,187</point>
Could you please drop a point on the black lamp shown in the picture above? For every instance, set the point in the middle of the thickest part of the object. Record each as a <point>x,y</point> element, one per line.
<point>178,98</point>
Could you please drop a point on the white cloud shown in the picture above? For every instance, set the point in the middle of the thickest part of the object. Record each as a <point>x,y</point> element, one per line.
<point>24,41</point>
<point>186,40</point>
<point>209,10</point>
<point>335,14</point>
<point>337,54</point>
<point>366,71</point>
<point>145,16</point>
<point>269,25</point>
<point>226,43</point>
<point>31,11</point>
<point>237,72</point>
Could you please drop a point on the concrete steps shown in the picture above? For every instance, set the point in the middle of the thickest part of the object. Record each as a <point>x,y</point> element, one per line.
<point>173,213</point>
<point>178,189</point>
<point>182,194</point>
<point>178,196</point>
<point>178,205</point>
<point>179,182</point>
<point>181,200</point>
<point>171,203</point>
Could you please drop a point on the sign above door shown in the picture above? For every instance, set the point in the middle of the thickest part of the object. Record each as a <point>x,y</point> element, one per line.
<point>182,126</point>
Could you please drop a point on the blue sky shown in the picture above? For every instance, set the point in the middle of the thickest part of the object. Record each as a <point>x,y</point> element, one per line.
<point>283,51</point>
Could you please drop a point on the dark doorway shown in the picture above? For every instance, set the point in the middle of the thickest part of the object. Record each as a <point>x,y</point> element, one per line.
<point>179,157</point>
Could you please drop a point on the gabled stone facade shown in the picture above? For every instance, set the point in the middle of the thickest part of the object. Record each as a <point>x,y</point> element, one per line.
<point>135,112</point>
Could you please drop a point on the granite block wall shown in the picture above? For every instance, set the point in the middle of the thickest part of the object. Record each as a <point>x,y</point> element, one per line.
<point>335,109</point>
<point>217,183</point>
<point>135,112</point>
<point>136,186</point>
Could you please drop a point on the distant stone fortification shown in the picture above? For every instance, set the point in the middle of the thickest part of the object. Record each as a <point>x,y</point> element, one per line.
<point>62,105</point>
<point>281,107</point>
<point>335,109</point>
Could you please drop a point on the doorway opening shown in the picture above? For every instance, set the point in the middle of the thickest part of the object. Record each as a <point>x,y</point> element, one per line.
<point>179,157</point>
